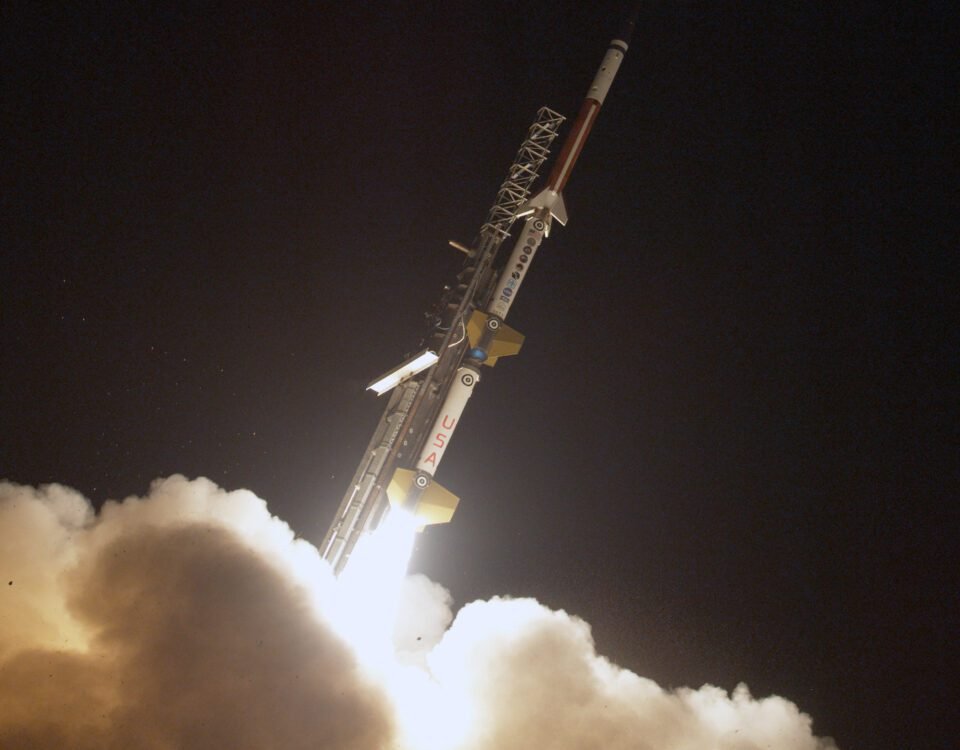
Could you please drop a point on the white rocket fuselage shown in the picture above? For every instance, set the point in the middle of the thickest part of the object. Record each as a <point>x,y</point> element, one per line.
<point>546,205</point>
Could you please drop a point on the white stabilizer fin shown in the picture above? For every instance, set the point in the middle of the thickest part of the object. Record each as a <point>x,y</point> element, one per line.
<point>549,200</point>
<point>559,210</point>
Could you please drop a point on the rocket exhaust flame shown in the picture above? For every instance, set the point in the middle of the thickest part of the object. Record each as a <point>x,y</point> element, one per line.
<point>368,589</point>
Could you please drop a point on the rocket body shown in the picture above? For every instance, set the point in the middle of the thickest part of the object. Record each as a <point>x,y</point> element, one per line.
<point>488,334</point>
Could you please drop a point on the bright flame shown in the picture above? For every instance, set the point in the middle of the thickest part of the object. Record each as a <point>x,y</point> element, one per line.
<point>368,589</point>
<point>368,593</point>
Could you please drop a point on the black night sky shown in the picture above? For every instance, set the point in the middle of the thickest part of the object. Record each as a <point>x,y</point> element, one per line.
<point>730,441</point>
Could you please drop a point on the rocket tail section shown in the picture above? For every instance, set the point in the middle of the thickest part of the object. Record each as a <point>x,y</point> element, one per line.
<point>432,503</point>
<point>548,202</point>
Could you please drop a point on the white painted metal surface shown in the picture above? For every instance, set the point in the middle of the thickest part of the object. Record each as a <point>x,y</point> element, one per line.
<point>439,436</point>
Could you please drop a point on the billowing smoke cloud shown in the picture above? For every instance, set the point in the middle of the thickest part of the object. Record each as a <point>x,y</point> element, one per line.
<point>192,618</point>
<point>184,624</point>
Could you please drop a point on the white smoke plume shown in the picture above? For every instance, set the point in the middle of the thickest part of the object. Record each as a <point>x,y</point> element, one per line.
<point>192,618</point>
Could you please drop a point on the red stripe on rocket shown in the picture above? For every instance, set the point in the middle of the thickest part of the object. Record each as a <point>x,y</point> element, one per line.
<point>549,202</point>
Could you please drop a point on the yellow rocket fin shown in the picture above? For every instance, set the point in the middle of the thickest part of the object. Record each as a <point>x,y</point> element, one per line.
<point>437,504</point>
<point>506,341</point>
<point>475,326</point>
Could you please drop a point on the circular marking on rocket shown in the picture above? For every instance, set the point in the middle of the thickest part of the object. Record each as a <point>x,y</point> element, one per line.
<point>467,379</point>
<point>493,324</point>
<point>420,481</point>
<point>538,225</point>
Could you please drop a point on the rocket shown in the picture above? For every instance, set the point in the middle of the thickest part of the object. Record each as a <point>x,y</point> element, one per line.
<point>549,201</point>
<point>430,390</point>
